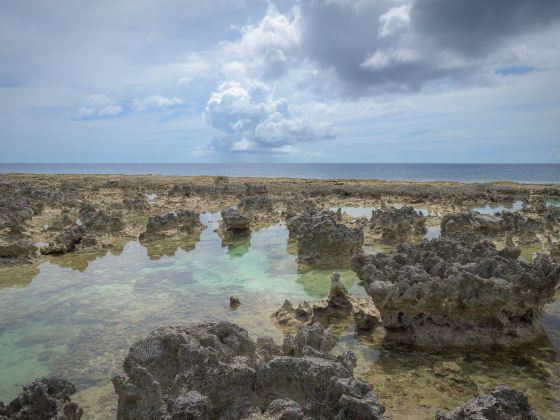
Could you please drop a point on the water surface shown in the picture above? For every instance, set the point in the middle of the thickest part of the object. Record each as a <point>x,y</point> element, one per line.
<point>77,315</point>
<point>462,172</point>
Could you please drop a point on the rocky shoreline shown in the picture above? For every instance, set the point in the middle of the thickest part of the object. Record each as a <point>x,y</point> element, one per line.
<point>469,288</point>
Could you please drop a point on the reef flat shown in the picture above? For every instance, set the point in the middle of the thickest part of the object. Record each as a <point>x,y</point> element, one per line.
<point>445,291</point>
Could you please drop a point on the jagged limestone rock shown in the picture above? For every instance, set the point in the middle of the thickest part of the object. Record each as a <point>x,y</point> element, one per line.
<point>215,370</point>
<point>444,292</point>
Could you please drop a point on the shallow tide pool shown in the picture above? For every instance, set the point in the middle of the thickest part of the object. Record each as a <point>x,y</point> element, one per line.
<point>76,316</point>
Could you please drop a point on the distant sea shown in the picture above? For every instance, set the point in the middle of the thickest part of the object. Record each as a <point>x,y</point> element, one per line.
<point>463,172</point>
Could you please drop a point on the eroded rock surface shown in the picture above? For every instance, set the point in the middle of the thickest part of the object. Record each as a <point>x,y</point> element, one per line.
<point>323,240</point>
<point>43,399</point>
<point>214,370</point>
<point>339,305</point>
<point>444,292</point>
<point>504,224</point>
<point>397,223</point>
<point>170,224</point>
<point>65,241</point>
<point>504,403</point>
<point>99,221</point>
<point>235,222</point>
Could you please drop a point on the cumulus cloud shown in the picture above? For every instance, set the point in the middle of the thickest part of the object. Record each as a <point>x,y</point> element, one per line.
<point>266,50</point>
<point>155,102</point>
<point>252,120</point>
<point>99,106</point>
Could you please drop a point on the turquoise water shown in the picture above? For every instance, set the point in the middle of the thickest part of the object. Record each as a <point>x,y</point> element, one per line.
<point>77,315</point>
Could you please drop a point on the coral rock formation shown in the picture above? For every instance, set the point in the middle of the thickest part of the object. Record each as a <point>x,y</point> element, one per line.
<point>235,222</point>
<point>444,292</point>
<point>43,399</point>
<point>395,224</point>
<point>503,403</point>
<point>213,370</point>
<point>323,240</point>
<point>339,305</point>
<point>170,224</point>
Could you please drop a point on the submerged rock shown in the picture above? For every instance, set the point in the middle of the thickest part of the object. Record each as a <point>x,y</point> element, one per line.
<point>177,222</point>
<point>43,399</point>
<point>339,305</point>
<point>397,224</point>
<point>504,403</point>
<point>214,370</point>
<point>444,292</point>
<point>234,302</point>
<point>323,240</point>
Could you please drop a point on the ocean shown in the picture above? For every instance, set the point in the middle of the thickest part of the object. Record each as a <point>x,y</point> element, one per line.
<point>462,172</point>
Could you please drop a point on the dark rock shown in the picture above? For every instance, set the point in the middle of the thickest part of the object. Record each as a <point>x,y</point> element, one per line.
<point>43,399</point>
<point>16,247</point>
<point>397,224</point>
<point>98,221</point>
<point>179,222</point>
<point>213,370</point>
<point>234,302</point>
<point>504,403</point>
<point>322,240</point>
<point>256,203</point>
<point>181,190</point>
<point>65,241</point>
<point>235,222</point>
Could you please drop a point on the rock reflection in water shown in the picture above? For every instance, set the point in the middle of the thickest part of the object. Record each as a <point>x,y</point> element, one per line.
<point>237,244</point>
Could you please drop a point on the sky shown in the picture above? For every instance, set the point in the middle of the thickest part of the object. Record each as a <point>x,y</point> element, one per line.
<point>280,81</point>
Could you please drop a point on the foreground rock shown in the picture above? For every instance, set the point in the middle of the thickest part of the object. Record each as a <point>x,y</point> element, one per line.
<point>214,370</point>
<point>170,224</point>
<point>444,292</point>
<point>397,224</point>
<point>503,403</point>
<point>43,399</point>
<point>339,305</point>
<point>323,240</point>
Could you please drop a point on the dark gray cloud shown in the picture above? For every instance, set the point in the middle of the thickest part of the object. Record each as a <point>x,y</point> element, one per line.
<point>389,46</point>
<point>477,27</point>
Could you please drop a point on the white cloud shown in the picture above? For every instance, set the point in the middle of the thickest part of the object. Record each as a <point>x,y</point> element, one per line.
<point>253,120</point>
<point>386,57</point>
<point>155,102</point>
<point>265,50</point>
<point>99,105</point>
<point>393,20</point>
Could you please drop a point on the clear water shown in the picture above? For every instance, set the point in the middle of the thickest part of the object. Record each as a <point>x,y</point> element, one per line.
<point>494,208</point>
<point>366,211</point>
<point>77,315</point>
<point>463,172</point>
